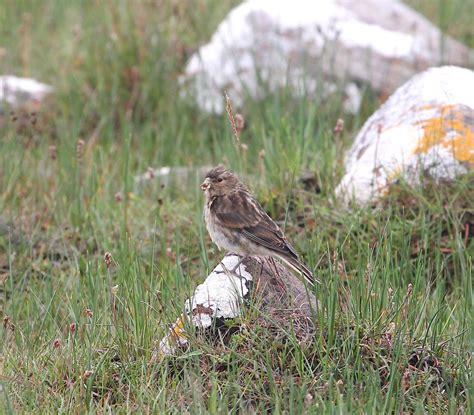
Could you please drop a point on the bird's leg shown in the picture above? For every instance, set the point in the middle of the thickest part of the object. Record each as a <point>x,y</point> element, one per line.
<point>278,278</point>
<point>224,268</point>
<point>236,267</point>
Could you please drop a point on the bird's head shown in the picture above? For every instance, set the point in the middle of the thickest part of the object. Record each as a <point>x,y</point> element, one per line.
<point>219,181</point>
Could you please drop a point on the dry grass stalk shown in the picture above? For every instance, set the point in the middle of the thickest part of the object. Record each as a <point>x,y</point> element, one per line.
<point>230,114</point>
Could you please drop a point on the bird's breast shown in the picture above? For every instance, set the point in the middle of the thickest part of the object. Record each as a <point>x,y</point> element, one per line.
<point>227,239</point>
<point>215,231</point>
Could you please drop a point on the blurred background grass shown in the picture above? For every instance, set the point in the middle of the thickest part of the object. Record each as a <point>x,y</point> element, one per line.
<point>117,111</point>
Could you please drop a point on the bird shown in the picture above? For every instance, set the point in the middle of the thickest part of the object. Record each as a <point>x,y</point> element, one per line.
<point>237,223</point>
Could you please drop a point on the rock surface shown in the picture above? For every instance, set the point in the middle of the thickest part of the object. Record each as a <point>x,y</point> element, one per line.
<point>425,129</point>
<point>266,285</point>
<point>316,46</point>
<point>16,91</point>
<point>172,175</point>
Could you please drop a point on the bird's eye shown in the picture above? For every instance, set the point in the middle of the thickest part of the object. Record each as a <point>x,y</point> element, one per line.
<point>219,179</point>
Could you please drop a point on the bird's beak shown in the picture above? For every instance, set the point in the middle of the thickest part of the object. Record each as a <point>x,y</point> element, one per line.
<point>205,185</point>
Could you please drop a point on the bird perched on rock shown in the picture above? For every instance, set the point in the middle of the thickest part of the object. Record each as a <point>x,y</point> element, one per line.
<point>237,223</point>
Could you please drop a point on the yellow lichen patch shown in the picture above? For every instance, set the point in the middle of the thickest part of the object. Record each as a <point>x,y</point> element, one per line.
<point>427,107</point>
<point>451,131</point>
<point>176,336</point>
<point>178,328</point>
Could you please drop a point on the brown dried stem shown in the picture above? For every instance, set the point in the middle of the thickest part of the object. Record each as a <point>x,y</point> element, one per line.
<point>230,114</point>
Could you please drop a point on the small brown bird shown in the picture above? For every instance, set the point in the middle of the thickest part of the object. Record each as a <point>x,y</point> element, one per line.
<point>237,223</point>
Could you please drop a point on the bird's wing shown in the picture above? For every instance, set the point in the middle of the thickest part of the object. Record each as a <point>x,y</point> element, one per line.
<point>240,211</point>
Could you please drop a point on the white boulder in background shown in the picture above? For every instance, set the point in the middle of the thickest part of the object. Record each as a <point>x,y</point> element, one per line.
<point>16,91</point>
<point>425,129</point>
<point>264,45</point>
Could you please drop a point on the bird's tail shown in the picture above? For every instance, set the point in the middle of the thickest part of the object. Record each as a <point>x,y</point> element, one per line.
<point>301,268</point>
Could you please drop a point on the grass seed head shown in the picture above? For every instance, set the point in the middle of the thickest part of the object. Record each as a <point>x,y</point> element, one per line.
<point>53,152</point>
<point>118,197</point>
<point>108,259</point>
<point>339,128</point>
<point>80,149</point>
<point>87,374</point>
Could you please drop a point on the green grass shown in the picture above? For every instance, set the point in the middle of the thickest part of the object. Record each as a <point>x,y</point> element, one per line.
<point>115,67</point>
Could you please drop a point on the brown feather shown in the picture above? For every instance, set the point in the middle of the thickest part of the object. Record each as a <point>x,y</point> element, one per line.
<point>241,211</point>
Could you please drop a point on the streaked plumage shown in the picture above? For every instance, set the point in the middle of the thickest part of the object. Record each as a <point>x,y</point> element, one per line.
<point>237,223</point>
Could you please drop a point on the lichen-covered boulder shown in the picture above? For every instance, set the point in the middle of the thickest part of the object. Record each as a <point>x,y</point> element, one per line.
<point>264,45</point>
<point>425,129</point>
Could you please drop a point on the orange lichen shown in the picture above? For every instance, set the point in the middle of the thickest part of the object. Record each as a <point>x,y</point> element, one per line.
<point>178,327</point>
<point>450,130</point>
<point>175,337</point>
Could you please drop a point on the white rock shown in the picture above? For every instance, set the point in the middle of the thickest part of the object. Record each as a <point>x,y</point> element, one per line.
<point>426,128</point>
<point>221,294</point>
<point>219,297</point>
<point>16,91</point>
<point>264,45</point>
<point>175,174</point>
